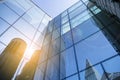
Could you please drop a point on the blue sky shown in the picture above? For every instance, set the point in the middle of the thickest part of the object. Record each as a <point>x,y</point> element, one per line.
<point>54,7</point>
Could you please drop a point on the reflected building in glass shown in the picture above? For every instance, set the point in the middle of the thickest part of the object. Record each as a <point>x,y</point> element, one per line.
<point>85,31</point>
<point>30,67</point>
<point>11,57</point>
<point>24,20</point>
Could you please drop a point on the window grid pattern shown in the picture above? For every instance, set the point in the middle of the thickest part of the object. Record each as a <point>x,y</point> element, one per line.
<point>22,19</point>
<point>66,54</point>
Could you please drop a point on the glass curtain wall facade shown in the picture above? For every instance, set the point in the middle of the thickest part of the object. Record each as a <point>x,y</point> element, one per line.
<point>82,43</point>
<point>22,19</point>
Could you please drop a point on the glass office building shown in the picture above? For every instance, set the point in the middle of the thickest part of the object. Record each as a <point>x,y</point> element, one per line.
<point>81,43</point>
<point>22,19</point>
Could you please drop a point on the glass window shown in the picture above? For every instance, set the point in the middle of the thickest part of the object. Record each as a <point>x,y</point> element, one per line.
<point>38,38</point>
<point>57,24</point>
<point>11,34</point>
<point>84,30</point>
<point>75,6</point>
<point>52,71</point>
<point>15,6</point>
<point>57,18</point>
<point>42,27</point>
<point>112,68</point>
<point>65,19</point>
<point>77,11</point>
<point>80,18</point>
<point>23,27</point>
<point>11,17</point>
<point>97,11</point>
<point>95,48</point>
<point>64,14</point>
<point>34,17</point>
<point>3,26</point>
<point>68,62</point>
<point>50,27</point>
<point>54,47</point>
<point>93,73</point>
<point>47,39</point>
<point>66,40</point>
<point>56,34</point>
<point>44,56</point>
<point>24,4</point>
<point>65,28</point>
<point>75,77</point>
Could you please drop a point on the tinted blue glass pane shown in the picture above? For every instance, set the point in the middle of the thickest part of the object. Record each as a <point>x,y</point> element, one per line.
<point>112,68</point>
<point>54,47</point>
<point>57,24</point>
<point>34,17</point>
<point>77,11</point>
<point>96,48</point>
<point>73,78</point>
<point>75,6</point>
<point>64,14</point>
<point>3,26</point>
<point>53,69</point>
<point>56,34</point>
<point>24,3</point>
<point>66,40</point>
<point>64,19</point>
<point>7,14</point>
<point>23,27</point>
<point>65,28</point>
<point>68,58</point>
<point>80,18</point>
<point>15,6</point>
<point>84,30</point>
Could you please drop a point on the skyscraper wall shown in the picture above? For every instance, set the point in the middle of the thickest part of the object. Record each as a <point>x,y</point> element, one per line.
<point>111,6</point>
<point>83,31</point>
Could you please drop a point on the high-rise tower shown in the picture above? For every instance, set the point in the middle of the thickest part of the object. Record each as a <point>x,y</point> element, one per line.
<point>10,58</point>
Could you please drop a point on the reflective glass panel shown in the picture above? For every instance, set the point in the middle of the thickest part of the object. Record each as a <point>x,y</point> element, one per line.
<point>84,30</point>
<point>77,11</point>
<point>75,77</point>
<point>66,40</point>
<point>112,68</point>
<point>3,26</point>
<point>11,17</point>
<point>80,18</point>
<point>93,73</point>
<point>65,28</point>
<point>95,48</point>
<point>68,58</point>
<point>23,27</point>
<point>75,6</point>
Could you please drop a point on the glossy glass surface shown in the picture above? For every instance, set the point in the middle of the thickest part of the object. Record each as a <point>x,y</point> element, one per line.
<point>95,48</point>
<point>84,30</point>
<point>69,61</point>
